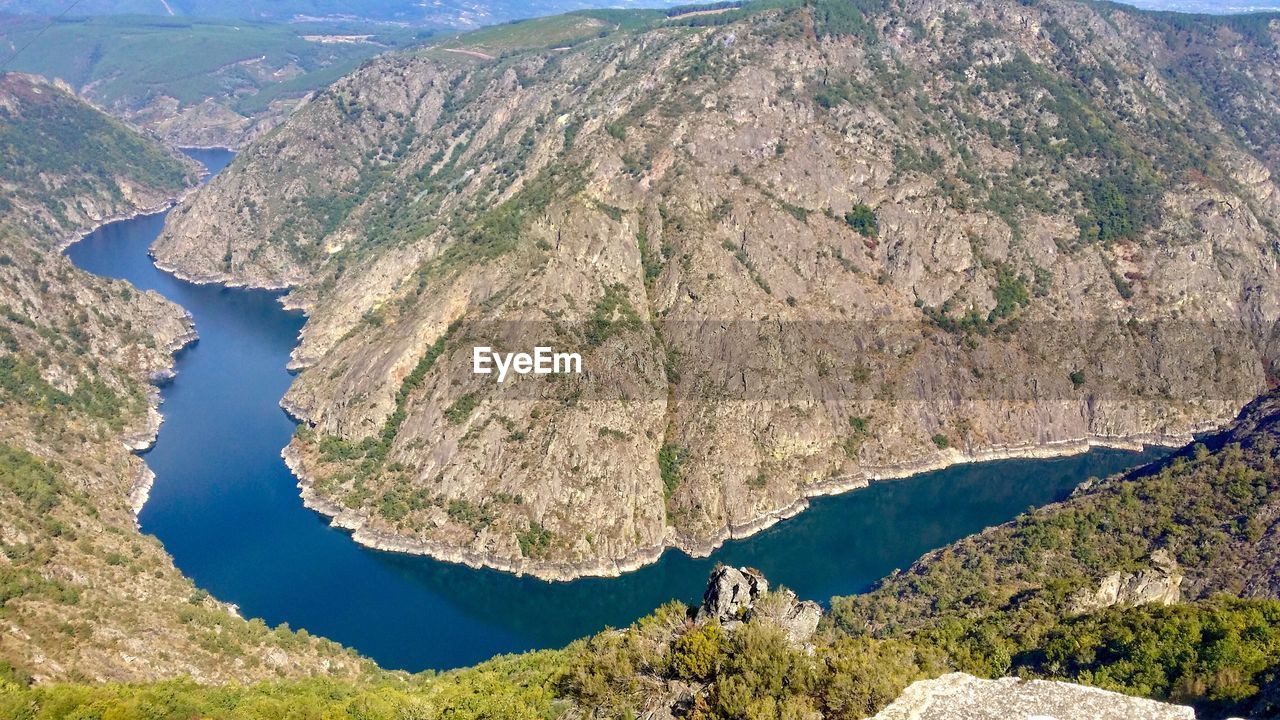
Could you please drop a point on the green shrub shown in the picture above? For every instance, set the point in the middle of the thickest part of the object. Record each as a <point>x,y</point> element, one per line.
<point>611,316</point>
<point>35,483</point>
<point>670,459</point>
<point>536,541</point>
<point>696,653</point>
<point>461,409</point>
<point>863,219</point>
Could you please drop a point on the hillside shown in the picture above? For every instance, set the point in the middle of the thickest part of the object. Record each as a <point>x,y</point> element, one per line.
<point>799,247</point>
<point>68,168</point>
<point>1000,603</point>
<point>1045,593</point>
<point>84,595</point>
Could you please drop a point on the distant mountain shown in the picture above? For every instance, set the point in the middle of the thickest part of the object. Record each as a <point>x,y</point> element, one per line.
<point>195,81</point>
<point>453,13</point>
<point>1216,7</point>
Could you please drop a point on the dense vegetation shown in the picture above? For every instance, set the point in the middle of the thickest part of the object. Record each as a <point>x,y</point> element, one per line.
<point>1219,654</point>
<point>994,603</point>
<point>51,133</point>
<point>511,687</point>
<point>61,156</point>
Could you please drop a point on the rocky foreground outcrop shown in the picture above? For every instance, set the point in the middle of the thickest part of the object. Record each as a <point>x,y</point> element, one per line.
<point>798,249</point>
<point>740,595</point>
<point>736,596</point>
<point>963,697</point>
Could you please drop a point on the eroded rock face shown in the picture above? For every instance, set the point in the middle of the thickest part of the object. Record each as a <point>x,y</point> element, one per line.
<point>963,697</point>
<point>794,261</point>
<point>1161,584</point>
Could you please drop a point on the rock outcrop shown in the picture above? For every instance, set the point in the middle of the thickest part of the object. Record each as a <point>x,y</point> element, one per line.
<point>740,595</point>
<point>731,593</point>
<point>963,697</point>
<point>1160,584</point>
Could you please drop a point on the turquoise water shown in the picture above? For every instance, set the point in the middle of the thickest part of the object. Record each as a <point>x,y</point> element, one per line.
<point>228,510</point>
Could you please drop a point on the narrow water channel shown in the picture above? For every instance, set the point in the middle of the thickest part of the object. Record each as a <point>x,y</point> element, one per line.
<point>227,508</point>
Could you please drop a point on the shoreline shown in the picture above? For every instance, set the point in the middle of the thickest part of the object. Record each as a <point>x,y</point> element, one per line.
<point>221,280</point>
<point>353,521</point>
<point>81,233</point>
<point>207,147</point>
<point>139,441</point>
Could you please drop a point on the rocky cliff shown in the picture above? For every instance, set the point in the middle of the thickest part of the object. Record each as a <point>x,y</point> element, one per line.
<point>799,246</point>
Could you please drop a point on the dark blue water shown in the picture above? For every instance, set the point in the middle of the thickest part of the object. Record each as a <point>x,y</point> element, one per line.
<point>228,510</point>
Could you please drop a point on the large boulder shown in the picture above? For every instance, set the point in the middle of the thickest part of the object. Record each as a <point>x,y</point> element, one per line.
<point>731,593</point>
<point>963,697</point>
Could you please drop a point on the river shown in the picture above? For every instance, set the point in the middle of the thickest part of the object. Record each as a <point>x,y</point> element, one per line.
<point>228,510</point>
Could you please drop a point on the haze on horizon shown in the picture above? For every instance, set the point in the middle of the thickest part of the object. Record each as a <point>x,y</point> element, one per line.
<point>462,12</point>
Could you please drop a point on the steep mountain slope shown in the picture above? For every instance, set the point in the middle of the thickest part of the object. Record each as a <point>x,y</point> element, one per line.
<point>83,595</point>
<point>1192,531</point>
<point>800,246</point>
<point>54,188</point>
